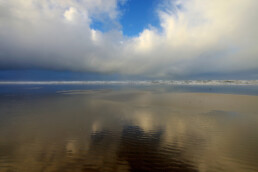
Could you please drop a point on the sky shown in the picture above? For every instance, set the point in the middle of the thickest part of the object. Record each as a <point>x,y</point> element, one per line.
<point>128,39</point>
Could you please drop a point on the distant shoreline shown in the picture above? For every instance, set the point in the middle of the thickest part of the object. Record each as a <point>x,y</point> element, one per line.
<point>156,82</point>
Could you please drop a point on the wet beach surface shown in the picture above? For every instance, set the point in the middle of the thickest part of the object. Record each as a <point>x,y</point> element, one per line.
<point>137,129</point>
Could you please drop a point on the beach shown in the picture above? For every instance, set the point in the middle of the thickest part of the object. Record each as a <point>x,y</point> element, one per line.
<point>129,130</point>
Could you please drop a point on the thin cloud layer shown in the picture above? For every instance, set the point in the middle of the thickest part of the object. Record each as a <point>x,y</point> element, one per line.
<point>196,37</point>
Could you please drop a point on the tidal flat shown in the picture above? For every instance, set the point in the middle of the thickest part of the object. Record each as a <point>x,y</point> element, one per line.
<point>128,130</point>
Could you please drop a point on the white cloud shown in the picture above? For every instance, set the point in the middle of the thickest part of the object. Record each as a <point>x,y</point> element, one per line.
<point>70,14</point>
<point>197,36</point>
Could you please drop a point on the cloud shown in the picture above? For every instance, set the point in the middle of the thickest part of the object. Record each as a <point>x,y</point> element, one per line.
<point>70,14</point>
<point>196,37</point>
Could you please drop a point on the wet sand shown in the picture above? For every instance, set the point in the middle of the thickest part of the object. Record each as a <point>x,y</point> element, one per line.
<point>137,130</point>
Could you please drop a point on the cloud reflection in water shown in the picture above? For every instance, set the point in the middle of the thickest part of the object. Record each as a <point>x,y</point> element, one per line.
<point>129,131</point>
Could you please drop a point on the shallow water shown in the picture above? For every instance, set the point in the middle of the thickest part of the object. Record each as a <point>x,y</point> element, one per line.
<point>128,130</point>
